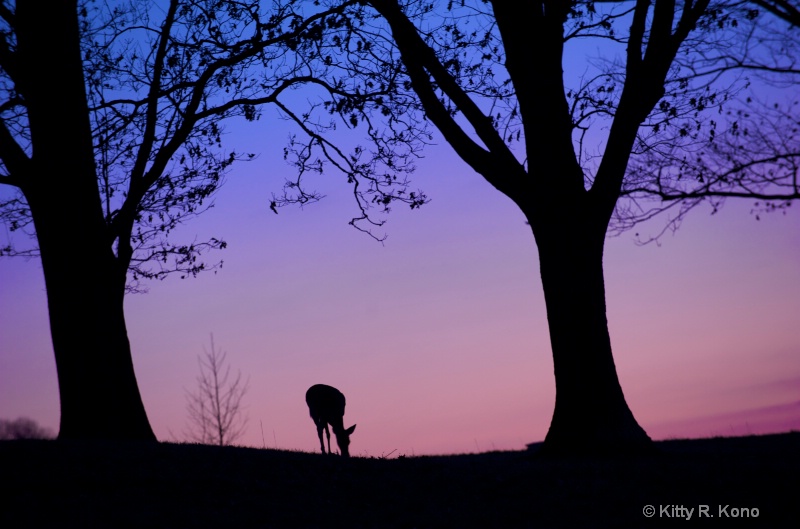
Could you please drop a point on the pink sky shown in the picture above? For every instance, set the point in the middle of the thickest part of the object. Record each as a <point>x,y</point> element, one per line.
<point>439,338</point>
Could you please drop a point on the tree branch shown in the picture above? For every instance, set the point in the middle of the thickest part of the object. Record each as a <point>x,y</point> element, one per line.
<point>422,65</point>
<point>13,157</point>
<point>782,9</point>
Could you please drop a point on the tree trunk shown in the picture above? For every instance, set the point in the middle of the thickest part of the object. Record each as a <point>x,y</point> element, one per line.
<point>97,385</point>
<point>591,415</point>
<point>84,280</point>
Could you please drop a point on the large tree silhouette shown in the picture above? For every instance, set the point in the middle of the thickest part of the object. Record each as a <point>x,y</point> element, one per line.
<point>53,166</point>
<point>112,135</point>
<point>490,76</point>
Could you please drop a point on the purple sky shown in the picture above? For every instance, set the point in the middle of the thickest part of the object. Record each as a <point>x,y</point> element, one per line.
<point>439,338</point>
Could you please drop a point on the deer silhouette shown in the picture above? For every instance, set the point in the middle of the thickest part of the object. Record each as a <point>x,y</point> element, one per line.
<point>326,406</point>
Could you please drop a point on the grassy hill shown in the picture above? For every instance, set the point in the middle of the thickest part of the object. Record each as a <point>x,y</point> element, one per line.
<point>112,485</point>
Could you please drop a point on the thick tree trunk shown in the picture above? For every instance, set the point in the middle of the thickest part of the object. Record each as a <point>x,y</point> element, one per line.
<point>97,386</point>
<point>591,415</point>
<point>85,282</point>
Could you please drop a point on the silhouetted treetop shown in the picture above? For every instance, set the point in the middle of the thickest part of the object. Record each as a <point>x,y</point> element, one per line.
<point>749,148</point>
<point>163,79</point>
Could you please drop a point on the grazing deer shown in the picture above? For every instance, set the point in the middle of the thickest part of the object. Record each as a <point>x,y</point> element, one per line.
<point>326,406</point>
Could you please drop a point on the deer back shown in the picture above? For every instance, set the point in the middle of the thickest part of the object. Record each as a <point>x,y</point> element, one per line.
<point>326,403</point>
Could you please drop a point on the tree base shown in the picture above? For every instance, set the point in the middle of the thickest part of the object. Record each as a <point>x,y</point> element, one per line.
<point>629,441</point>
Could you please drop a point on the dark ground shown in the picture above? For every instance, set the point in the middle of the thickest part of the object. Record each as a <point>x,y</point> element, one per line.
<point>87,485</point>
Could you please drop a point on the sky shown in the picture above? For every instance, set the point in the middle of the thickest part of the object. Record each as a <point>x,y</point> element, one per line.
<point>438,337</point>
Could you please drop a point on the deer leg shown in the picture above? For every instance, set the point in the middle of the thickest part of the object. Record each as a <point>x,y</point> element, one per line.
<point>328,432</point>
<point>319,433</point>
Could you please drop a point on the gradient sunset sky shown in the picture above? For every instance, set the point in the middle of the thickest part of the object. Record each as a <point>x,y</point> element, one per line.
<point>438,338</point>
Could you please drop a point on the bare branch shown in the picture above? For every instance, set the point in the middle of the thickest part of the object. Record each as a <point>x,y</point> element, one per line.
<point>782,9</point>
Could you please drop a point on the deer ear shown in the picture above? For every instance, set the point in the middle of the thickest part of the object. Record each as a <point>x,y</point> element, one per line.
<point>351,429</point>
